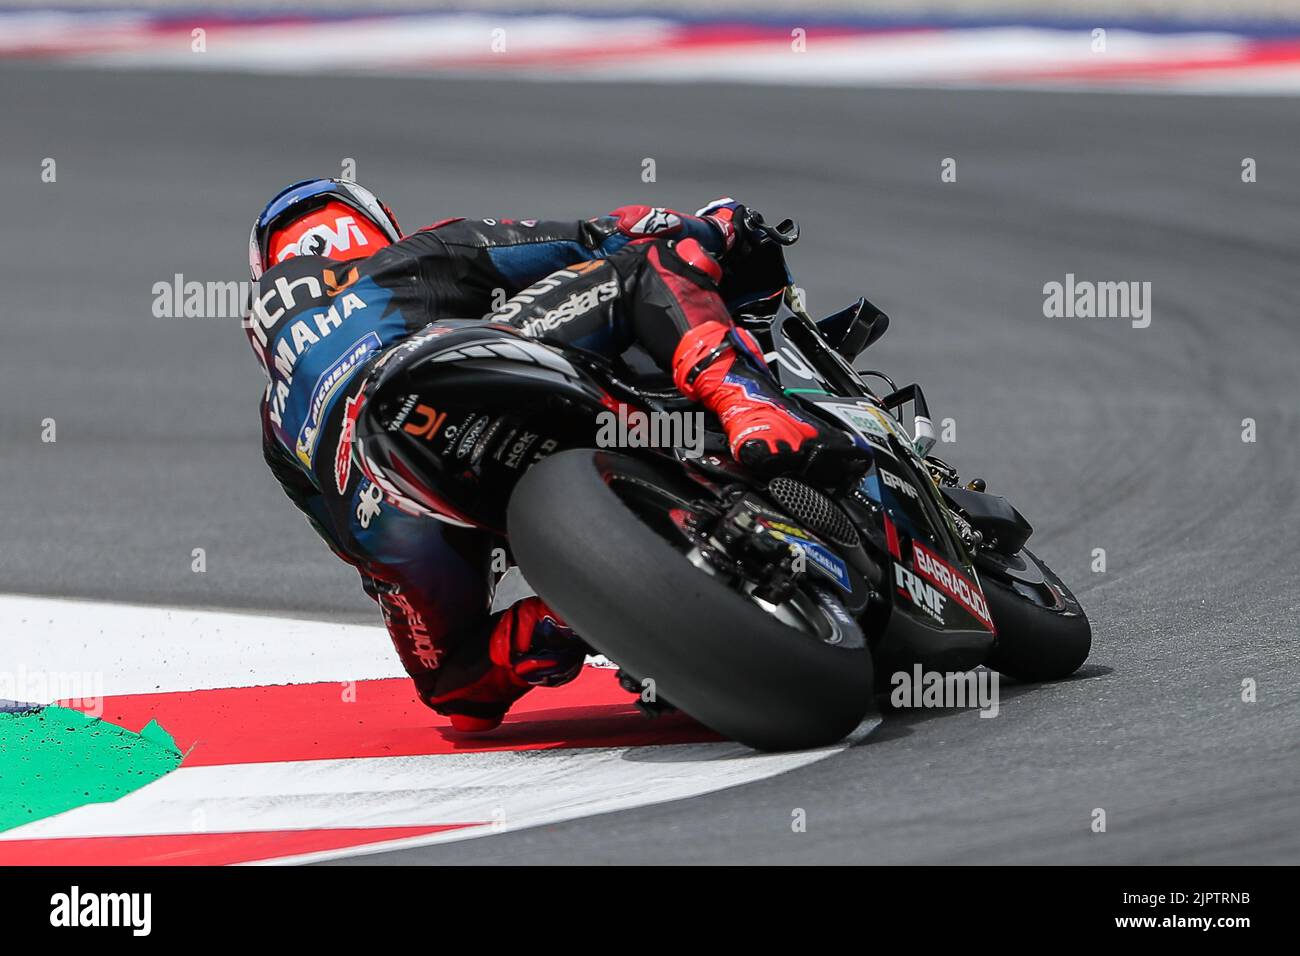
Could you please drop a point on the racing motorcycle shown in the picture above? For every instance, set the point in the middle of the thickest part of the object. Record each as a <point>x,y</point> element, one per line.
<point>770,610</point>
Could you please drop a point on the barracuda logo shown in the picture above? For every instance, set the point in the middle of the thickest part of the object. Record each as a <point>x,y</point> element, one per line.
<point>952,582</point>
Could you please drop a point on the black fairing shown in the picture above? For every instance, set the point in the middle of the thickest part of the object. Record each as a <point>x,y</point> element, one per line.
<point>1003,527</point>
<point>851,331</point>
<point>454,417</point>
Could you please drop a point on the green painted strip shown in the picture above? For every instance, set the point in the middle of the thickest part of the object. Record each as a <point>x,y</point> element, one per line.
<point>806,391</point>
<point>55,759</point>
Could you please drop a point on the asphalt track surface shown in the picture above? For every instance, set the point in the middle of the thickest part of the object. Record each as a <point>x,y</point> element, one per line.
<point>1104,435</point>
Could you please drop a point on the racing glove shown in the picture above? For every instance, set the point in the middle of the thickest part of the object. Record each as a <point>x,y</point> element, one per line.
<point>727,216</point>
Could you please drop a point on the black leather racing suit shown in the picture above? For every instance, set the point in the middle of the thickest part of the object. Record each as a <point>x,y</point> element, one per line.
<point>318,323</point>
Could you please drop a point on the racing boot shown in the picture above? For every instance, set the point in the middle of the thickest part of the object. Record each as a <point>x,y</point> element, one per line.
<point>721,366</point>
<point>530,646</point>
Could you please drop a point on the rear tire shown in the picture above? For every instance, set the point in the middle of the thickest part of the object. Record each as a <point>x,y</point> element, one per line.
<point>638,599</point>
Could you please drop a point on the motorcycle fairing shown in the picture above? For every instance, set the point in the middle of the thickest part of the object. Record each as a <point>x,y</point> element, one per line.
<point>931,577</point>
<point>470,409</point>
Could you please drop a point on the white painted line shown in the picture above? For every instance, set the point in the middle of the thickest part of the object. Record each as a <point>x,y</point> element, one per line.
<point>719,766</point>
<point>503,790</point>
<point>141,649</point>
<point>138,649</point>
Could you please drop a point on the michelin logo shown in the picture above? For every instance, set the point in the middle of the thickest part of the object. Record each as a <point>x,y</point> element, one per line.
<point>326,386</point>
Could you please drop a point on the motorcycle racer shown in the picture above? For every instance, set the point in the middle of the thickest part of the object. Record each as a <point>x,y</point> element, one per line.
<point>340,287</point>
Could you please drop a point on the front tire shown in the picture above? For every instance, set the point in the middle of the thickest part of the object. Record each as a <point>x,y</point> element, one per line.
<point>1042,631</point>
<point>633,593</point>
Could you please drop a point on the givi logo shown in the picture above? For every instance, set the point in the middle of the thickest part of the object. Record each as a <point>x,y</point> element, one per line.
<point>324,239</point>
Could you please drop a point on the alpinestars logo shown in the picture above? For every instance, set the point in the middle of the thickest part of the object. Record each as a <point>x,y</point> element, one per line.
<point>657,220</point>
<point>399,608</point>
<point>515,304</point>
<point>578,304</point>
